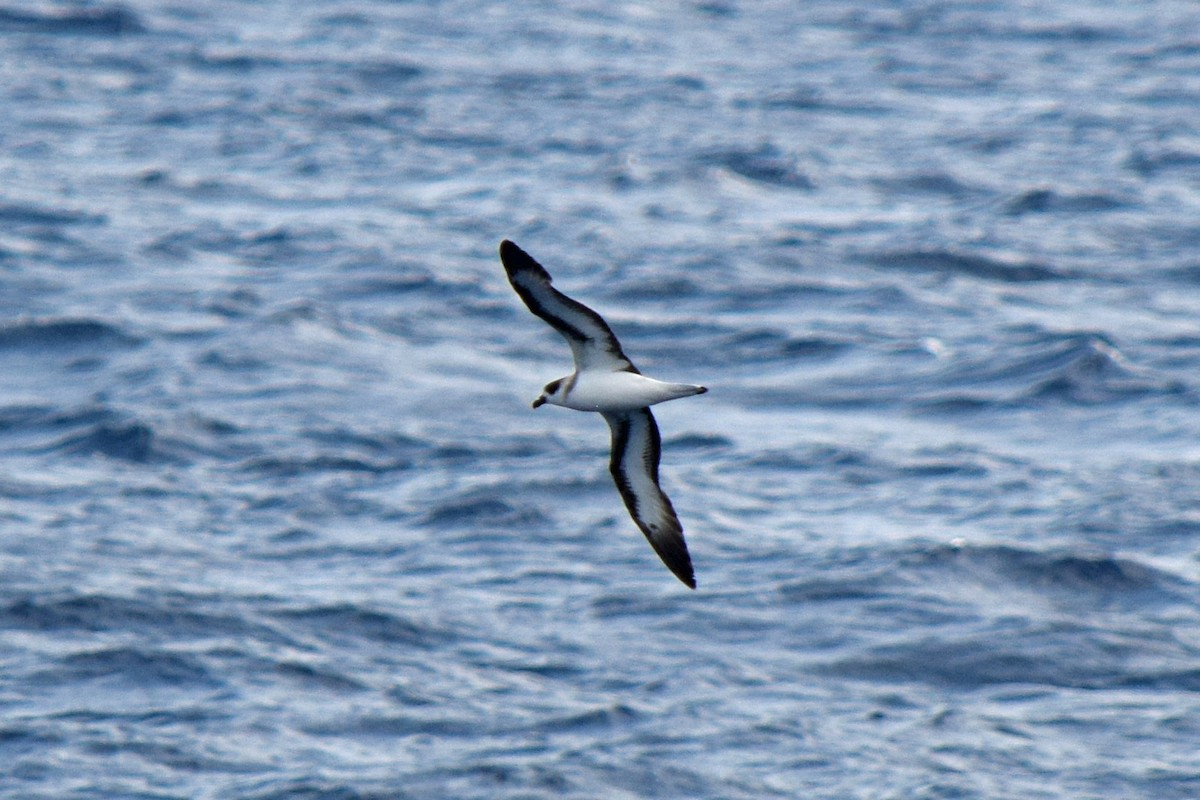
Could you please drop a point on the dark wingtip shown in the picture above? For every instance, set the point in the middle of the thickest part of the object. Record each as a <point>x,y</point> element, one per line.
<point>677,559</point>
<point>511,256</point>
<point>701,389</point>
<point>683,571</point>
<point>517,260</point>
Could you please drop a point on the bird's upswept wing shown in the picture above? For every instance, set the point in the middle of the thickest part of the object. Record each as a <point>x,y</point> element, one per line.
<point>592,342</point>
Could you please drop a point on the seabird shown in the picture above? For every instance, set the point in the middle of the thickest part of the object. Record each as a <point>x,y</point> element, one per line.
<point>607,382</point>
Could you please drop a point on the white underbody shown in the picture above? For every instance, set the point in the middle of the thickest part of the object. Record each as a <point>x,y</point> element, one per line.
<point>596,390</point>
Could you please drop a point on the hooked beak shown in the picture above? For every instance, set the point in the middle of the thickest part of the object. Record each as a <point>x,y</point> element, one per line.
<point>541,401</point>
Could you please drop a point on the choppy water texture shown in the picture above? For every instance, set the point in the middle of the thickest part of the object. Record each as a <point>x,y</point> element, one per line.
<point>277,520</point>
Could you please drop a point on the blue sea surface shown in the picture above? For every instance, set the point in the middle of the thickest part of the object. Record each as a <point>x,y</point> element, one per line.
<point>277,520</point>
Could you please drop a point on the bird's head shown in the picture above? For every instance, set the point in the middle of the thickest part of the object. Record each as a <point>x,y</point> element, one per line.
<point>552,393</point>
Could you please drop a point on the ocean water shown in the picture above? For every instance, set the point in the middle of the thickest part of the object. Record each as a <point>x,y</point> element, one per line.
<point>277,521</point>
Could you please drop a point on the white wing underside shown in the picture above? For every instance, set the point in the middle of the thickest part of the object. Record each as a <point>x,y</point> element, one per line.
<point>636,448</point>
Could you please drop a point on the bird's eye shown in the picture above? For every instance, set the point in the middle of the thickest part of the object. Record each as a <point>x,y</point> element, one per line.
<point>552,387</point>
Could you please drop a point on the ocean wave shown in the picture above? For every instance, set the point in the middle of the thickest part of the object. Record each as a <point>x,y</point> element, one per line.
<point>95,21</point>
<point>611,717</point>
<point>100,430</point>
<point>1054,655</point>
<point>931,182</point>
<point>128,440</point>
<point>235,60</point>
<point>25,418</point>
<point>406,281</point>
<point>972,265</point>
<point>484,509</point>
<point>1074,367</point>
<point>138,666</point>
<point>764,164</point>
<point>314,788</point>
<point>346,621</point>
<point>1149,161</point>
<point>810,98</point>
<point>287,467</point>
<point>1071,579</point>
<point>174,616</point>
<point>16,418</point>
<point>27,214</point>
<point>318,679</point>
<point>764,345</point>
<point>387,77</point>
<point>1004,614</point>
<point>1087,369</point>
<point>66,332</point>
<point>974,584</point>
<point>1042,200</point>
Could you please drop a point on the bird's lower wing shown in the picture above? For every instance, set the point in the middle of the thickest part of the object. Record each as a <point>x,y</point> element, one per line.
<point>636,448</point>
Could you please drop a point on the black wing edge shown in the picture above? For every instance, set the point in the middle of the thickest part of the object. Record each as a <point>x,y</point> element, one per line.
<point>515,261</point>
<point>669,544</point>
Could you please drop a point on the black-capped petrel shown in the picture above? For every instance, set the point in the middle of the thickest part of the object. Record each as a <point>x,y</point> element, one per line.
<point>606,381</point>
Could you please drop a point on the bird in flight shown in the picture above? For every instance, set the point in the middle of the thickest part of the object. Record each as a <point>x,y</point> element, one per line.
<point>607,382</point>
